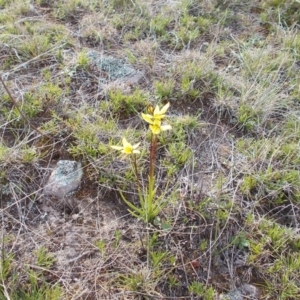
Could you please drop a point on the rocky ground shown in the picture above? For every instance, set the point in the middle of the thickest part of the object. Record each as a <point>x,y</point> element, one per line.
<point>77,75</point>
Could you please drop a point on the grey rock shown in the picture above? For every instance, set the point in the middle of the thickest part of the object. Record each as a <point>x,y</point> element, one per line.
<point>245,291</point>
<point>64,179</point>
<point>234,295</point>
<point>249,290</point>
<point>116,69</point>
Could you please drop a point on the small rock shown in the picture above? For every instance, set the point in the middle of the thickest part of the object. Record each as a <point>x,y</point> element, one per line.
<point>116,69</point>
<point>245,291</point>
<point>249,290</point>
<point>65,179</point>
<point>233,295</point>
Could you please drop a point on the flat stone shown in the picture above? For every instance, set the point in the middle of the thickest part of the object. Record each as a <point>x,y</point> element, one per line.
<point>114,68</point>
<point>245,291</point>
<point>64,179</point>
<point>234,295</point>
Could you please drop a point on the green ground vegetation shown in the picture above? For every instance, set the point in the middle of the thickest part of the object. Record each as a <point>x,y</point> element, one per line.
<point>227,173</point>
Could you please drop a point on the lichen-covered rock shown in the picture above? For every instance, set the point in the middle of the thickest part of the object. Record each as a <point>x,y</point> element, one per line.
<point>245,291</point>
<point>114,68</point>
<point>64,179</point>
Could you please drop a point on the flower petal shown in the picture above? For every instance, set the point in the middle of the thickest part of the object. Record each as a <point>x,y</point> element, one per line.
<point>165,108</point>
<point>165,127</point>
<point>156,110</point>
<point>147,118</point>
<point>116,147</point>
<point>136,151</point>
<point>125,143</point>
<point>135,146</point>
<point>157,122</point>
<point>155,129</point>
<point>159,117</point>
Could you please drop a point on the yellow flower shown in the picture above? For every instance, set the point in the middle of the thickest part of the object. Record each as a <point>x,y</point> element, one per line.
<point>150,109</point>
<point>155,119</point>
<point>127,147</point>
<point>157,114</point>
<point>156,127</point>
<point>160,113</point>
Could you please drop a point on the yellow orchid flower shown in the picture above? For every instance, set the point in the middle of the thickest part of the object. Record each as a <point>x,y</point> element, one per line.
<point>157,114</point>
<point>156,117</point>
<point>127,147</point>
<point>148,118</point>
<point>160,113</point>
<point>156,127</point>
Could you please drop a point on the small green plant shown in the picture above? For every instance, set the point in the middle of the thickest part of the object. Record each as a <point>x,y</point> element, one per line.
<point>44,259</point>
<point>50,92</point>
<point>159,24</point>
<point>187,87</point>
<point>180,153</point>
<point>146,279</point>
<point>3,3</point>
<point>82,60</point>
<point>199,289</point>
<point>121,3</point>
<point>30,107</point>
<point>118,236</point>
<point>5,267</point>
<point>4,152</point>
<point>87,134</point>
<point>241,241</point>
<point>248,117</point>
<point>149,205</point>
<point>36,286</point>
<point>68,9</point>
<point>126,105</point>
<point>271,242</point>
<point>248,185</point>
<point>101,245</point>
<point>143,280</point>
<point>164,88</point>
<point>29,154</point>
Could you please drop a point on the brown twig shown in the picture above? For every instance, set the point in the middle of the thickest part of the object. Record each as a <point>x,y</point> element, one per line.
<point>19,110</point>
